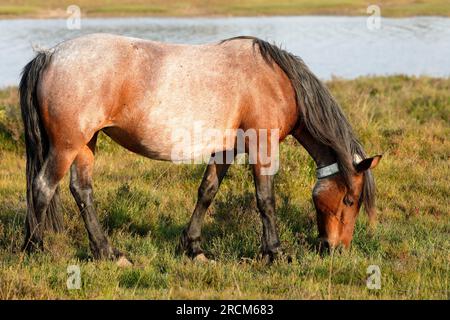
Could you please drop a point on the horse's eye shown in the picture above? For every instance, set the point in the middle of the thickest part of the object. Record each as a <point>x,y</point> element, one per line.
<point>348,201</point>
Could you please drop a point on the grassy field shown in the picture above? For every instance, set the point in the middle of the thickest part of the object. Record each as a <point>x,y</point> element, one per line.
<point>53,8</point>
<point>144,205</point>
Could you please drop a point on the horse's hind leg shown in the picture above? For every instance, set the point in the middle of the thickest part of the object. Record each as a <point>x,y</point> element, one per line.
<point>82,191</point>
<point>55,167</point>
<point>191,237</point>
<point>265,199</point>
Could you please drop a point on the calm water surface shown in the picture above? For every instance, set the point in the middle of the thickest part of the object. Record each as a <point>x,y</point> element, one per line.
<point>331,46</point>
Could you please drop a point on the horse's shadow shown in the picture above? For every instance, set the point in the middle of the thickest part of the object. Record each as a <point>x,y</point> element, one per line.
<point>233,228</point>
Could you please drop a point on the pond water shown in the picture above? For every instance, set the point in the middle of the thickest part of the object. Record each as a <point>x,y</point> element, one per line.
<point>331,46</point>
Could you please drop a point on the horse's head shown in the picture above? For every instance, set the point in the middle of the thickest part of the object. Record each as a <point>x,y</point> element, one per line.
<point>337,206</point>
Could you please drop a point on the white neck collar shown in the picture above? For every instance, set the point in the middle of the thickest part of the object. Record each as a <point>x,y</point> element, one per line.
<point>327,171</point>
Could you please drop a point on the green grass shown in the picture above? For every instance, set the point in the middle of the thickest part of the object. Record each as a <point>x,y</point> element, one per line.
<point>144,205</point>
<point>389,8</point>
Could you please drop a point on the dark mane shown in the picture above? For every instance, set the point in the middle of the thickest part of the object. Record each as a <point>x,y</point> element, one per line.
<point>321,115</point>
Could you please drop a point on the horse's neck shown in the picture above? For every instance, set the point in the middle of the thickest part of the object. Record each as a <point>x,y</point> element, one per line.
<point>322,154</point>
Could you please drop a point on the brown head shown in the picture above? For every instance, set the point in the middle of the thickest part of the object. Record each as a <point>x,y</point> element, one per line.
<point>337,205</point>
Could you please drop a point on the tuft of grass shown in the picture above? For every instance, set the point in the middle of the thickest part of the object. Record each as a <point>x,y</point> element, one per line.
<point>145,205</point>
<point>143,279</point>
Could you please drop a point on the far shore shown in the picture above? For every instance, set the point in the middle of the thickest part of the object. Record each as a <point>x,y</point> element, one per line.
<point>10,9</point>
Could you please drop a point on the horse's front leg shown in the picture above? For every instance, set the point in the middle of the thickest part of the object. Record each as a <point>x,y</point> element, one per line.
<point>265,198</point>
<point>191,237</point>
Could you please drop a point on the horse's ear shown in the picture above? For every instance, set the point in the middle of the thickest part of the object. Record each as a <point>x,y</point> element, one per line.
<point>368,163</point>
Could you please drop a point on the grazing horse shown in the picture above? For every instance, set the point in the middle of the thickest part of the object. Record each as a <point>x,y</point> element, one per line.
<point>140,92</point>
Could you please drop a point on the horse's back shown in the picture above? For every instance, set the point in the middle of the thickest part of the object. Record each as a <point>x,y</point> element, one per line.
<point>142,91</point>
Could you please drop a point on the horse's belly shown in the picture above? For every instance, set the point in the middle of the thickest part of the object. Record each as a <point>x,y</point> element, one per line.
<point>176,135</point>
<point>181,136</point>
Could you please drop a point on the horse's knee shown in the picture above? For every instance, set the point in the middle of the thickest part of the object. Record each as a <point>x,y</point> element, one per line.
<point>265,203</point>
<point>207,191</point>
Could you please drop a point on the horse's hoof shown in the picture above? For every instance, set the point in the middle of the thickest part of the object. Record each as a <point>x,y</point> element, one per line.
<point>246,261</point>
<point>123,262</point>
<point>266,259</point>
<point>270,257</point>
<point>202,258</point>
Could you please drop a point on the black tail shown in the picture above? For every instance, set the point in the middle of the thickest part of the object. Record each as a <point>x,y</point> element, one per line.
<point>322,115</point>
<point>36,143</point>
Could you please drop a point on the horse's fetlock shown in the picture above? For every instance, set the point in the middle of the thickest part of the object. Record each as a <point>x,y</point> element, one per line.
<point>190,246</point>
